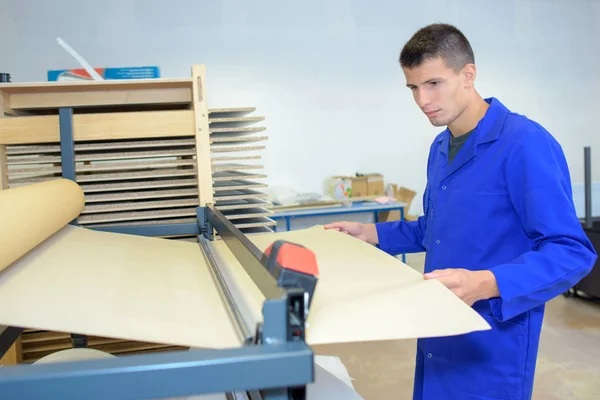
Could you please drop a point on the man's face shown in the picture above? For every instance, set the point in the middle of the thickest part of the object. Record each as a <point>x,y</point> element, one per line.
<point>438,90</point>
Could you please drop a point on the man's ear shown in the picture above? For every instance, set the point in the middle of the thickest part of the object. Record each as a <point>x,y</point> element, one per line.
<point>469,73</point>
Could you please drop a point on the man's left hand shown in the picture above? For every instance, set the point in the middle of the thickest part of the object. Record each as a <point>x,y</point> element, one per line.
<point>470,286</point>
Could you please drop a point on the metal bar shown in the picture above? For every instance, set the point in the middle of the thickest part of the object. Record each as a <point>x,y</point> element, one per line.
<point>588,186</point>
<point>152,230</point>
<point>8,336</point>
<point>242,329</point>
<point>67,148</point>
<point>249,256</point>
<point>162,375</point>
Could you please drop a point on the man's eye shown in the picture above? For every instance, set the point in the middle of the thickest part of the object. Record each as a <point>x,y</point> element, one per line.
<point>433,83</point>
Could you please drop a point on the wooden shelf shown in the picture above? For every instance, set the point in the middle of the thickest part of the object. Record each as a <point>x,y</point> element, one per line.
<point>147,153</point>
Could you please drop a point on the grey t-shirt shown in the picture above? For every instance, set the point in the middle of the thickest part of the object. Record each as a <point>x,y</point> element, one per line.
<point>456,143</point>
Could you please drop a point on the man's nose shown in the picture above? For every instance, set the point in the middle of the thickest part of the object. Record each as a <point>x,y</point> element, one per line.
<point>421,98</point>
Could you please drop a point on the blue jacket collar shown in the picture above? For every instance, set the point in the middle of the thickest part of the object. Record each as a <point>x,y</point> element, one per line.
<point>488,130</point>
<point>489,127</point>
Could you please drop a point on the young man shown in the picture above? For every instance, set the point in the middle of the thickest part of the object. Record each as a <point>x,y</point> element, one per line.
<point>499,229</point>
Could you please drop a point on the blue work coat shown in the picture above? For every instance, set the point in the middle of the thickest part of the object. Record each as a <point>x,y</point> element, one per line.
<point>504,204</point>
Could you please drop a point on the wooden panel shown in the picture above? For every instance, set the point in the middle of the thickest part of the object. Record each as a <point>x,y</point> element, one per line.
<point>237,195</point>
<point>247,213</point>
<point>25,130</point>
<point>232,122</point>
<point>151,124</point>
<point>88,127</point>
<point>13,355</point>
<point>233,185</point>
<point>230,112</point>
<point>137,185</point>
<point>234,167</point>
<point>5,105</point>
<point>224,148</point>
<point>141,195</point>
<point>234,176</point>
<point>137,215</point>
<point>44,100</point>
<point>237,139</point>
<point>86,86</point>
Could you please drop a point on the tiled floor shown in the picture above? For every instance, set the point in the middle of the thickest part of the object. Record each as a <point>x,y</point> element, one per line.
<point>568,362</point>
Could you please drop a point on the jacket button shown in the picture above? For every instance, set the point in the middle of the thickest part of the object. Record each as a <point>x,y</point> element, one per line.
<point>429,355</point>
<point>438,241</point>
<point>444,187</point>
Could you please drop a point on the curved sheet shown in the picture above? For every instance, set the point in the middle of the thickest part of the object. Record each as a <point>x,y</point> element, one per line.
<point>363,294</point>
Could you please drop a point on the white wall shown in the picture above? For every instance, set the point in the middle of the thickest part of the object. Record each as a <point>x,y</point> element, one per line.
<point>325,73</point>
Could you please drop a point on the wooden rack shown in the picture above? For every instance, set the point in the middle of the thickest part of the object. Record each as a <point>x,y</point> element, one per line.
<point>147,153</point>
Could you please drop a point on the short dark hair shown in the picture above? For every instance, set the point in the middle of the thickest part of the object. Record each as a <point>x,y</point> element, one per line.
<point>437,40</point>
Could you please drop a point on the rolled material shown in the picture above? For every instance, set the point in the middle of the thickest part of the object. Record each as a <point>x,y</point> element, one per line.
<point>31,214</point>
<point>69,355</point>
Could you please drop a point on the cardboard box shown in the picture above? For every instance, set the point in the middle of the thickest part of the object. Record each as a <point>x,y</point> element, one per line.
<point>375,185</point>
<point>360,186</point>
<point>402,195</point>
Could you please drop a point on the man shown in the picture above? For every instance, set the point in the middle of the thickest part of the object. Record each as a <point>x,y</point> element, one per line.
<point>499,226</point>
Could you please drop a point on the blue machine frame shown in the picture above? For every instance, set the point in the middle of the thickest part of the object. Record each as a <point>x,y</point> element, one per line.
<point>273,365</point>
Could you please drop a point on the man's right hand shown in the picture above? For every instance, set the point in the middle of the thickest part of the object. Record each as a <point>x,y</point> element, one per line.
<point>364,232</point>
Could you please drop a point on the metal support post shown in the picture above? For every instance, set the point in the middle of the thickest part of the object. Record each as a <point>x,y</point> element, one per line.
<point>67,146</point>
<point>276,332</point>
<point>587,157</point>
<point>67,160</point>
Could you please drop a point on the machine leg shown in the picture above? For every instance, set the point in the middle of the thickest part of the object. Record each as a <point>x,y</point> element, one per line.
<point>79,341</point>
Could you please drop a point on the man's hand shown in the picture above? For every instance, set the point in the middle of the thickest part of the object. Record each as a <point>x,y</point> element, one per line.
<point>470,286</point>
<point>365,232</point>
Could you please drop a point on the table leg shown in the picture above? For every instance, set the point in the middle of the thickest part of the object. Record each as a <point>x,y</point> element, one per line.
<point>288,224</point>
<point>402,219</point>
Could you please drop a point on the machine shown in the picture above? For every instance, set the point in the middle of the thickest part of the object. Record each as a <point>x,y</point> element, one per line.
<point>275,363</point>
<point>589,286</point>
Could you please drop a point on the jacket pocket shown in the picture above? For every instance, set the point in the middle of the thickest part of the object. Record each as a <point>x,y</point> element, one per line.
<point>491,363</point>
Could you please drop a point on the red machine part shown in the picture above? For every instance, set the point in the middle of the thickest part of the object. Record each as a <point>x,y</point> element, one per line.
<point>294,257</point>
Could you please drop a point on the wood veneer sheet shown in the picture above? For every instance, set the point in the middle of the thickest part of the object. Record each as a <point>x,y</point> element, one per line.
<point>120,286</point>
<point>363,294</point>
<point>64,278</point>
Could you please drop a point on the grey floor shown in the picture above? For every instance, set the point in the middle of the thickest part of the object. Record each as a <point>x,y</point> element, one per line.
<point>568,363</point>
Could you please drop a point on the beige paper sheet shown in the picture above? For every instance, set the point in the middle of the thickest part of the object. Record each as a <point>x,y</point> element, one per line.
<point>114,285</point>
<point>363,294</point>
<point>156,290</point>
